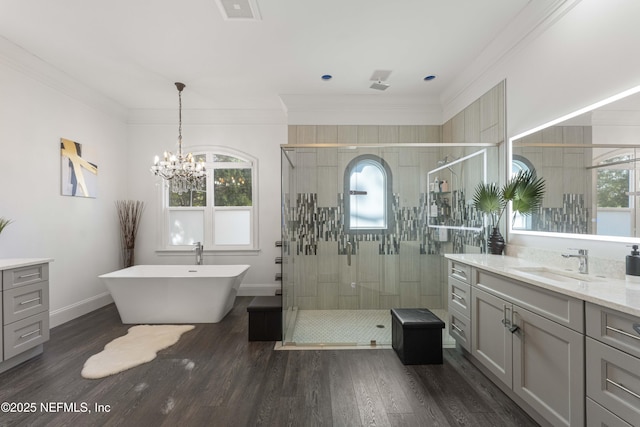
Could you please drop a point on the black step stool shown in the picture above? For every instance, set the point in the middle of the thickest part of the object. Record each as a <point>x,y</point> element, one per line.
<point>265,318</point>
<point>416,336</point>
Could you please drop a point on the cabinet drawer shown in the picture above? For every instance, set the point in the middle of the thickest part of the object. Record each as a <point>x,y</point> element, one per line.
<point>25,334</point>
<point>613,380</point>
<point>619,330</point>
<point>460,296</point>
<point>563,309</point>
<point>597,416</point>
<point>460,271</point>
<point>460,329</point>
<point>25,301</point>
<point>25,276</point>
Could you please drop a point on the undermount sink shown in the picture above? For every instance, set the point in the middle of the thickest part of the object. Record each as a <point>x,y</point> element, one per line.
<point>557,275</point>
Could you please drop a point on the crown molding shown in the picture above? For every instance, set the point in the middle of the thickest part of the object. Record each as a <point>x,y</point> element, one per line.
<point>533,20</point>
<point>361,109</point>
<point>146,116</point>
<point>25,63</point>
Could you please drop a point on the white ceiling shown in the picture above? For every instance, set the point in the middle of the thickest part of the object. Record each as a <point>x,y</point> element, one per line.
<point>132,51</point>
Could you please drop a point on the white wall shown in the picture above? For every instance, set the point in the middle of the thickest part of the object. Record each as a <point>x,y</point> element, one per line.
<point>257,133</point>
<point>588,54</point>
<point>81,234</point>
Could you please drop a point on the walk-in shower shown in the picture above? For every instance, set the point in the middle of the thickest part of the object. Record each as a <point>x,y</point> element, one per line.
<point>364,230</point>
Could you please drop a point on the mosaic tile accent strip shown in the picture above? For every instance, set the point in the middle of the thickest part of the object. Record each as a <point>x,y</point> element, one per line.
<point>306,223</point>
<point>572,217</point>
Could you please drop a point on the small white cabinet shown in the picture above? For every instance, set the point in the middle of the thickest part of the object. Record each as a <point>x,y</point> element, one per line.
<point>24,310</point>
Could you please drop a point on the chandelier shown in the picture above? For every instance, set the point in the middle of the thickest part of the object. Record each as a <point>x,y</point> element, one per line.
<point>182,172</point>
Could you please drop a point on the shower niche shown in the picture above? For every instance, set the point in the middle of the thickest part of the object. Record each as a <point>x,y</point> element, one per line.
<point>449,196</point>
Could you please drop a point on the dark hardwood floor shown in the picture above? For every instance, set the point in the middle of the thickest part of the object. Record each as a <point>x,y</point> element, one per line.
<point>214,377</point>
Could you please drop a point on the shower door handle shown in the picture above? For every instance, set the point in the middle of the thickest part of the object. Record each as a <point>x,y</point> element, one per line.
<point>349,253</point>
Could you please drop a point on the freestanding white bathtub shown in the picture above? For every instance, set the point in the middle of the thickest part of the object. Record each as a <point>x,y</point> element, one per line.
<point>175,293</point>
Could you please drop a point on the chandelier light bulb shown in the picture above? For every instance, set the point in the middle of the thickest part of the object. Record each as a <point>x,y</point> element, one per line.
<point>182,172</point>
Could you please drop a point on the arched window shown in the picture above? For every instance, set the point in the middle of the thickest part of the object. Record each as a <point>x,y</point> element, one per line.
<point>521,164</point>
<point>224,216</point>
<point>367,194</point>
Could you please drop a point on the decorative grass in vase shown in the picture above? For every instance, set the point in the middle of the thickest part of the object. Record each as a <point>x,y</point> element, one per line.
<point>4,222</point>
<point>129,213</point>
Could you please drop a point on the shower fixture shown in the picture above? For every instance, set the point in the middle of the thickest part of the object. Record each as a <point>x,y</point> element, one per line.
<point>446,160</point>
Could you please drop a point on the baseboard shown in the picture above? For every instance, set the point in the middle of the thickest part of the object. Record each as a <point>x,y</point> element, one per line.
<point>257,290</point>
<point>70,312</point>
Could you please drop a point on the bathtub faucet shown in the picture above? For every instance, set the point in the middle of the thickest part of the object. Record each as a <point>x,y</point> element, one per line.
<point>198,249</point>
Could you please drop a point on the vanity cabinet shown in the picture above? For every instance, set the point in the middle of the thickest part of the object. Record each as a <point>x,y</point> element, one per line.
<point>529,338</point>
<point>612,367</point>
<point>24,311</point>
<point>1,317</point>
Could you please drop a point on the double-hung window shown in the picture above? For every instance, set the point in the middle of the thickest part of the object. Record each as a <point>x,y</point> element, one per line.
<point>224,216</point>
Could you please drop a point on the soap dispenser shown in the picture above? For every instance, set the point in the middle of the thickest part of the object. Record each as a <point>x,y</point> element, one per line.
<point>633,267</point>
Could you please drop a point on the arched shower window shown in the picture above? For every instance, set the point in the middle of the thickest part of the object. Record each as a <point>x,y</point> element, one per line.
<point>367,194</point>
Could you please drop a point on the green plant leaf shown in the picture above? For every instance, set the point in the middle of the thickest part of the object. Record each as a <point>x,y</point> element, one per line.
<point>488,199</point>
<point>4,222</point>
<point>529,196</point>
<point>525,192</point>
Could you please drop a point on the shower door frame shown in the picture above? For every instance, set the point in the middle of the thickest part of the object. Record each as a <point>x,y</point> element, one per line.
<point>288,280</point>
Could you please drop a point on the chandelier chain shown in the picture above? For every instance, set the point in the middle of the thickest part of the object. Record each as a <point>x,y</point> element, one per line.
<point>182,172</point>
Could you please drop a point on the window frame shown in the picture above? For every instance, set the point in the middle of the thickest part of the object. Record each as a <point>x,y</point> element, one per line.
<point>164,210</point>
<point>522,164</point>
<point>388,194</point>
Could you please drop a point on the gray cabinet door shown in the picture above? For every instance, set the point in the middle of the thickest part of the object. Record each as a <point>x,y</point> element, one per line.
<point>491,343</point>
<point>1,327</point>
<point>548,368</point>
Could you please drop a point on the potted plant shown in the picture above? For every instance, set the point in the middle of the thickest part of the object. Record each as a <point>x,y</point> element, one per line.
<point>4,222</point>
<point>524,191</point>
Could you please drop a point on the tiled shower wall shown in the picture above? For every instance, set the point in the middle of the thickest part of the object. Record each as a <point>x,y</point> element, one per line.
<point>568,193</point>
<point>402,269</point>
<point>391,270</point>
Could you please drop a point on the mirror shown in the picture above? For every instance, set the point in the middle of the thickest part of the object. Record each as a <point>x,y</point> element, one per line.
<point>589,160</point>
<point>448,206</point>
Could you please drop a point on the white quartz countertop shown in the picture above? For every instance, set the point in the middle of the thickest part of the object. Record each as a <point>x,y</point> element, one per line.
<point>606,292</point>
<point>7,263</point>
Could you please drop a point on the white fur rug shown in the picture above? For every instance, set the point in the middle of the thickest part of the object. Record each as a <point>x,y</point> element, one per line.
<point>140,345</point>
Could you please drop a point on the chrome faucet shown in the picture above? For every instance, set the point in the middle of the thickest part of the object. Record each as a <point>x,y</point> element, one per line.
<point>583,257</point>
<point>198,249</point>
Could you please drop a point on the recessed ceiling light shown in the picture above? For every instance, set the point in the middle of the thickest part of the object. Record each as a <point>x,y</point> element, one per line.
<point>429,77</point>
<point>326,77</point>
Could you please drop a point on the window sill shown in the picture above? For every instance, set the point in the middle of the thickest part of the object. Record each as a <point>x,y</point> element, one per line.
<point>190,252</point>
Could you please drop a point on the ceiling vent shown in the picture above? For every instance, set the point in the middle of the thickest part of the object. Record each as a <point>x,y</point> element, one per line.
<point>379,86</point>
<point>378,77</point>
<point>239,10</point>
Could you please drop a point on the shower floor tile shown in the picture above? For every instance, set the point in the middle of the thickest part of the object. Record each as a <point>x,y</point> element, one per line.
<point>350,329</point>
